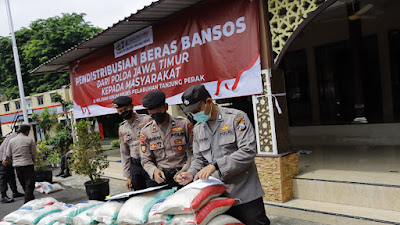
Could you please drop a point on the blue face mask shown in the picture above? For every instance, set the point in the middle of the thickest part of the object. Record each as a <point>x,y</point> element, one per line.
<point>201,117</point>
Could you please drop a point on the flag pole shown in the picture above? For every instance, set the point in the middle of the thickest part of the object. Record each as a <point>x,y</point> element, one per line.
<point>17,64</point>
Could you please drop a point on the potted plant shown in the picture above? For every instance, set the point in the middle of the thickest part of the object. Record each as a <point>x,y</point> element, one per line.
<point>89,159</point>
<point>42,165</point>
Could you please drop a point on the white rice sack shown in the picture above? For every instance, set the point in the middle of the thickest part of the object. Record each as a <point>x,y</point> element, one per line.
<point>5,223</point>
<point>132,211</point>
<point>225,220</point>
<point>28,208</point>
<point>108,212</point>
<point>212,209</point>
<point>86,217</point>
<point>46,187</point>
<point>36,215</point>
<point>190,200</point>
<point>49,219</point>
<point>67,215</point>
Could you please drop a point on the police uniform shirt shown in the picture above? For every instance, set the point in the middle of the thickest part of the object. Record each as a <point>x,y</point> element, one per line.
<point>129,140</point>
<point>232,144</point>
<point>169,150</point>
<point>22,150</point>
<point>4,146</point>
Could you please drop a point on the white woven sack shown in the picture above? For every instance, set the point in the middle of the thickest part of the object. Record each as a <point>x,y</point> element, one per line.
<point>36,215</point>
<point>67,215</point>
<point>5,223</point>
<point>108,212</point>
<point>86,217</point>
<point>225,220</point>
<point>176,203</point>
<point>131,211</point>
<point>49,219</point>
<point>212,209</point>
<point>27,208</point>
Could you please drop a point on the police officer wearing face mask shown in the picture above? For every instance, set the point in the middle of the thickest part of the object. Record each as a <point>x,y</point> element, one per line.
<point>137,178</point>
<point>224,146</point>
<point>166,141</point>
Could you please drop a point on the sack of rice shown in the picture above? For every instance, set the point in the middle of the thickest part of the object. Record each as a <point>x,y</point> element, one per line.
<point>225,220</point>
<point>67,215</point>
<point>108,212</point>
<point>86,217</point>
<point>136,209</point>
<point>212,209</point>
<point>190,200</point>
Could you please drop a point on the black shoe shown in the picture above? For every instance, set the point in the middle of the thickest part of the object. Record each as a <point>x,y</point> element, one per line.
<point>6,199</point>
<point>17,195</point>
<point>60,174</point>
<point>66,175</point>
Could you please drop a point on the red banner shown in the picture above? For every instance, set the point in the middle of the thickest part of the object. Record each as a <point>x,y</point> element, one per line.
<point>215,43</point>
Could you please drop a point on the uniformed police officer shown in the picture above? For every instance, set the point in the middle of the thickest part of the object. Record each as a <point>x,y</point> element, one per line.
<point>224,146</point>
<point>166,141</point>
<point>7,174</point>
<point>136,177</point>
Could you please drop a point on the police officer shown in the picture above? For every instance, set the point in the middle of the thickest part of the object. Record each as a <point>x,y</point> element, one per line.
<point>7,174</point>
<point>224,147</point>
<point>166,141</point>
<point>22,152</point>
<point>137,178</point>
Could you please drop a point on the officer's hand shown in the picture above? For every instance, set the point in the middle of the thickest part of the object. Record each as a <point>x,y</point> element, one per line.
<point>205,172</point>
<point>159,176</point>
<point>183,178</point>
<point>5,162</point>
<point>129,183</point>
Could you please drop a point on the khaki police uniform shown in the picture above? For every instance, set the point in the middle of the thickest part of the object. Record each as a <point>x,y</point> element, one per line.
<point>170,151</point>
<point>130,151</point>
<point>233,146</point>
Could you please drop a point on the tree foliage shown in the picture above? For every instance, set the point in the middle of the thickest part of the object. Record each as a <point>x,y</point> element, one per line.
<point>88,157</point>
<point>41,41</point>
<point>45,119</point>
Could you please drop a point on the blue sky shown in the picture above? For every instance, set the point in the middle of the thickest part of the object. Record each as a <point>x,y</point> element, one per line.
<point>101,13</point>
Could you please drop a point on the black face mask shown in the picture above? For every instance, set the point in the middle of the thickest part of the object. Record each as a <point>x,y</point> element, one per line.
<point>126,115</point>
<point>159,117</point>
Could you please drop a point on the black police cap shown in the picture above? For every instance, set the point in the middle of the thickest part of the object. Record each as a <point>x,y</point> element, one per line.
<point>153,99</point>
<point>122,101</point>
<point>192,97</point>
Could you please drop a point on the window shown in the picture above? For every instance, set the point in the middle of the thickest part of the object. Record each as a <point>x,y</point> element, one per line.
<point>52,99</point>
<point>7,107</point>
<point>40,100</point>
<point>17,105</point>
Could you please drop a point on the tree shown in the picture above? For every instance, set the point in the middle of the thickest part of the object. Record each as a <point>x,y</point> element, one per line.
<point>45,119</point>
<point>41,41</point>
<point>65,105</point>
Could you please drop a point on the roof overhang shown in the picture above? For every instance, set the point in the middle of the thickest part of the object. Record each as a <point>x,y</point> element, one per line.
<point>145,17</point>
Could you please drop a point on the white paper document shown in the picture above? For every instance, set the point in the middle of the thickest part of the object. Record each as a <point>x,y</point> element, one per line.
<point>131,193</point>
<point>201,184</point>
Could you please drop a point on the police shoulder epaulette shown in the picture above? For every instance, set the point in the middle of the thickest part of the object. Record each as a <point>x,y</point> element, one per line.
<point>148,124</point>
<point>179,117</point>
<point>122,123</point>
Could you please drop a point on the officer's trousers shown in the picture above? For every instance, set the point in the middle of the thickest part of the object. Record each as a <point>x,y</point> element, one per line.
<point>26,176</point>
<point>139,177</point>
<point>251,213</point>
<point>7,177</point>
<point>64,164</point>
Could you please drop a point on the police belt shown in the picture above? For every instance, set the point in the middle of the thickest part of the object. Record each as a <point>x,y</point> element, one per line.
<point>135,161</point>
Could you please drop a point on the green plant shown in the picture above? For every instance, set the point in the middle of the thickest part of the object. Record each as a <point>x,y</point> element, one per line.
<point>62,139</point>
<point>54,157</point>
<point>42,152</point>
<point>45,119</point>
<point>115,143</point>
<point>88,158</point>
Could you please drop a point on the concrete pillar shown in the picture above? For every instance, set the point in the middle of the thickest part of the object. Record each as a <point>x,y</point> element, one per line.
<point>386,78</point>
<point>313,85</point>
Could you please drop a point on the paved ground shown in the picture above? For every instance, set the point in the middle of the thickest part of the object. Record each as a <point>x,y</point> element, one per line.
<point>74,193</point>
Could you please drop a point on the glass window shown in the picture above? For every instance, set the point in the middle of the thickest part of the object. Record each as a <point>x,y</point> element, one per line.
<point>40,100</point>
<point>7,107</point>
<point>17,105</point>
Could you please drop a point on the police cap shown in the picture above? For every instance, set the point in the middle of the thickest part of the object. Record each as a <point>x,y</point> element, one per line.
<point>192,97</point>
<point>153,99</point>
<point>122,101</point>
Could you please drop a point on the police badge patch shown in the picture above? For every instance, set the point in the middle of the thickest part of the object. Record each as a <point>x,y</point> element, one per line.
<point>143,148</point>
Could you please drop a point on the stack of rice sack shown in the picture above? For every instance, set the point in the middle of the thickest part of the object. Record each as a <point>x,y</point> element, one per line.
<point>198,206</point>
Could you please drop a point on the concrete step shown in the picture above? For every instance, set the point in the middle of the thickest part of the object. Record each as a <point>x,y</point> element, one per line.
<point>331,213</point>
<point>353,188</point>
